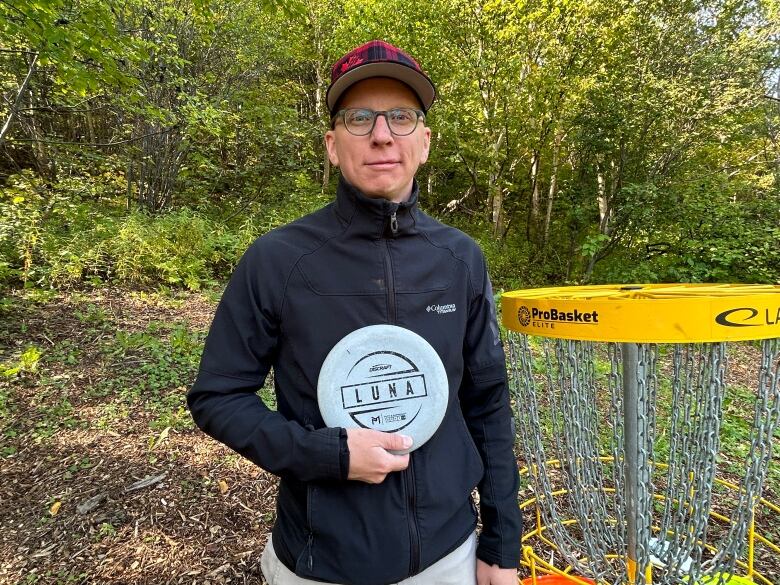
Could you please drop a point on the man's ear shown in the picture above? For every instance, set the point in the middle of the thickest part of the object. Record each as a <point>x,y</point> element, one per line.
<point>330,146</point>
<point>426,145</point>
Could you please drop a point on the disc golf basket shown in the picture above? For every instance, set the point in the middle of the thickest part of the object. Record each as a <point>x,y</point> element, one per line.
<point>646,454</point>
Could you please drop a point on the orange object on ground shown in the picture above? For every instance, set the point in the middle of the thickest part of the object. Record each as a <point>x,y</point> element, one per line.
<point>556,580</point>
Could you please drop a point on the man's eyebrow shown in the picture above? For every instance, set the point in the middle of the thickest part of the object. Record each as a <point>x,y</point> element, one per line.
<point>383,110</point>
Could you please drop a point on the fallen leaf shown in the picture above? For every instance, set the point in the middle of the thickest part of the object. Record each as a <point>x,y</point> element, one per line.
<point>160,438</point>
<point>55,507</point>
<point>223,486</point>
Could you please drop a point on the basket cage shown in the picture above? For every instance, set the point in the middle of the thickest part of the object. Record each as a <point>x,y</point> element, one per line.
<point>647,463</point>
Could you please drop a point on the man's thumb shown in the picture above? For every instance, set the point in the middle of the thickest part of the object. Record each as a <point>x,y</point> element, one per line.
<point>393,442</point>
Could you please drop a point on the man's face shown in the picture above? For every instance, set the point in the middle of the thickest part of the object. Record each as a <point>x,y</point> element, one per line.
<point>379,164</point>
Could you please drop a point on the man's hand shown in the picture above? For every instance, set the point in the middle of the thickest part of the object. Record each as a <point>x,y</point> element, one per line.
<point>495,575</point>
<point>369,460</point>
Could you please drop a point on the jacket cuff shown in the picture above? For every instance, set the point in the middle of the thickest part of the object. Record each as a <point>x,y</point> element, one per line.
<point>486,554</point>
<point>343,454</point>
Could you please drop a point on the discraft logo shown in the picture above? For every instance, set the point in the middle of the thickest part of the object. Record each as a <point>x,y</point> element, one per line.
<point>384,391</point>
<point>524,316</point>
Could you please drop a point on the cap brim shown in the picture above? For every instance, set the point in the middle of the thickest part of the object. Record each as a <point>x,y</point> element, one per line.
<point>419,82</point>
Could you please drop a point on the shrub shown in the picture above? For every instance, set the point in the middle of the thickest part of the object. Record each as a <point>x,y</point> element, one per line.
<point>54,238</point>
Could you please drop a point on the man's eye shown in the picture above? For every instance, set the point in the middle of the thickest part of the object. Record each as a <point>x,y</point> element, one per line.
<point>402,116</point>
<point>361,117</point>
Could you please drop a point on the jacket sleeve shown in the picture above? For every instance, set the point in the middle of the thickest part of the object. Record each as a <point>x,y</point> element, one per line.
<point>238,354</point>
<point>484,398</point>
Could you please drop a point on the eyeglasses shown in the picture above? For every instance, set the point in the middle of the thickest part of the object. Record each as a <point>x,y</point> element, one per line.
<point>361,122</point>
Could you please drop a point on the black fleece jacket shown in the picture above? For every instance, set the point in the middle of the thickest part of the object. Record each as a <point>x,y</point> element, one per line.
<point>296,292</point>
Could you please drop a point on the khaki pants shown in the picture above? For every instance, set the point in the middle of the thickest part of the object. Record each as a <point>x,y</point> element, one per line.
<point>457,568</point>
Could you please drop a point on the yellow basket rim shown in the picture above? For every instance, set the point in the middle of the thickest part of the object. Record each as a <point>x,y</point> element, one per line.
<point>646,313</point>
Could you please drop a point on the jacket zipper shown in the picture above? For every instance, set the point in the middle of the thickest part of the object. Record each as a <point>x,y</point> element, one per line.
<point>408,473</point>
<point>414,532</point>
<point>310,540</point>
<point>391,316</point>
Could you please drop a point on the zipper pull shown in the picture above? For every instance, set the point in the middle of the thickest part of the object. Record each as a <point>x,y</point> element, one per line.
<point>308,546</point>
<point>393,223</point>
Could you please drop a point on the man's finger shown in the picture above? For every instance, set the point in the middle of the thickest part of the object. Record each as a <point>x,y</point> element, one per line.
<point>393,442</point>
<point>398,462</point>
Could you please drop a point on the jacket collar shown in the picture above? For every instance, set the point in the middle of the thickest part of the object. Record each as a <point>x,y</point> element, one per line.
<point>372,216</point>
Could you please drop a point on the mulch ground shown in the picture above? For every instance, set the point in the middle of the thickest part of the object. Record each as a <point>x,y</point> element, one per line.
<point>94,489</point>
<point>204,518</point>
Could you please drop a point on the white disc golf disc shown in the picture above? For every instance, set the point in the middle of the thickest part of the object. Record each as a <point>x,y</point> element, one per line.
<point>385,378</point>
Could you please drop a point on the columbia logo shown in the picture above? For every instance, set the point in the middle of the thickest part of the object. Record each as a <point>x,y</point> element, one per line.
<point>441,309</point>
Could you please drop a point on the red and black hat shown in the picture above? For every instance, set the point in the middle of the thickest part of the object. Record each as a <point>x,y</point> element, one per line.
<point>378,59</point>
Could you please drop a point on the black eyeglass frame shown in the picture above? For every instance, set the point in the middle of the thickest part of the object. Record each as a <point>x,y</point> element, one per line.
<point>342,113</point>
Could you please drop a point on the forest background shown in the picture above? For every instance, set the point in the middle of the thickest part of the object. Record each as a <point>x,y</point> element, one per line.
<point>577,142</point>
<point>145,144</point>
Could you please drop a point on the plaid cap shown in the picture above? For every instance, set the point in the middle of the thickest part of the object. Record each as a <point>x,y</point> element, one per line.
<point>378,59</point>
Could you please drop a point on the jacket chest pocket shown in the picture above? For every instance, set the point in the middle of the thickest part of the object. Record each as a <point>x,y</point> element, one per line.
<point>441,319</point>
<point>420,267</point>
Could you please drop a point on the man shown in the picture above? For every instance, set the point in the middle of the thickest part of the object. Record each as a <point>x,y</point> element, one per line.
<point>348,510</point>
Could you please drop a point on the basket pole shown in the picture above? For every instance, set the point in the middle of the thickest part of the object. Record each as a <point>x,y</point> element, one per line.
<point>630,354</point>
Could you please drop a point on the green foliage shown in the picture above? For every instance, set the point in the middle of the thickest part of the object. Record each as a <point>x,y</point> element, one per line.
<point>105,530</point>
<point>179,248</point>
<point>27,363</point>
<point>695,234</point>
<point>576,141</point>
<point>79,241</point>
<point>80,41</point>
<point>54,412</point>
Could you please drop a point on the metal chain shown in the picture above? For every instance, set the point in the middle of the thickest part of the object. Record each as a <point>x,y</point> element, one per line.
<point>568,408</point>
<point>765,420</point>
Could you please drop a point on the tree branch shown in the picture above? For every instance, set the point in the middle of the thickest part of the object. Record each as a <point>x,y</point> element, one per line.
<point>15,108</point>
<point>17,51</point>
<point>97,144</point>
<point>64,109</point>
<point>38,24</point>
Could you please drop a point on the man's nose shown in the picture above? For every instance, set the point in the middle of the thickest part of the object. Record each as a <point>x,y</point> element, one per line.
<point>381,133</point>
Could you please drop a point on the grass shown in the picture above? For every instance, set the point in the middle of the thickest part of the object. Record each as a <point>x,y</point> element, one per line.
<point>153,367</point>
<point>150,367</point>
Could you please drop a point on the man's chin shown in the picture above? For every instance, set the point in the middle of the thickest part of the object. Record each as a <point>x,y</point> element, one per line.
<point>396,196</point>
<point>389,192</point>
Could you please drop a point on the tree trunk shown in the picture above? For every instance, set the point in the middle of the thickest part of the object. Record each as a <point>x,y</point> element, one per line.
<point>325,170</point>
<point>532,226</point>
<point>320,107</point>
<point>162,154</point>
<point>603,200</point>
<point>553,191</point>
<point>495,192</point>
<point>605,213</point>
<point>497,212</point>
<point>321,111</point>
<point>90,125</point>
<point>46,166</point>
<point>130,179</point>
